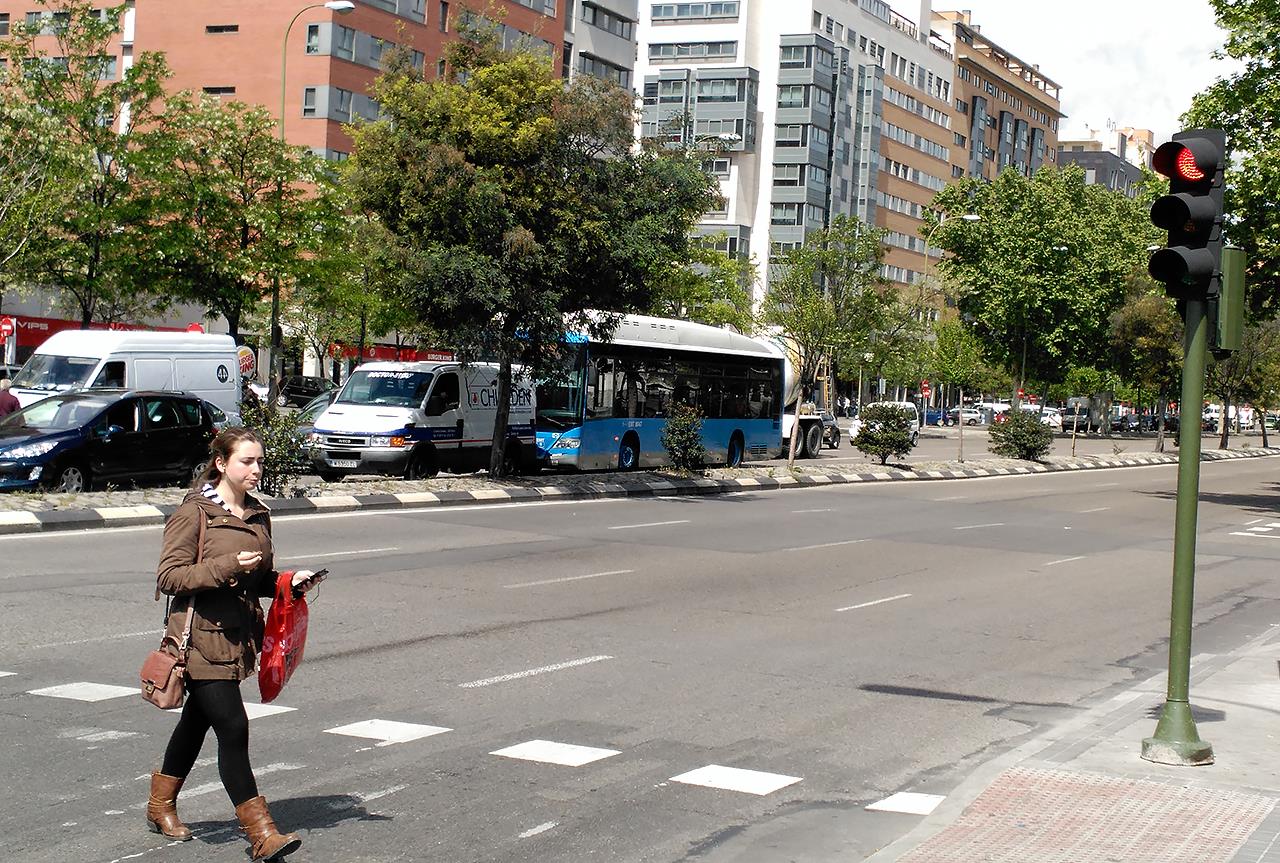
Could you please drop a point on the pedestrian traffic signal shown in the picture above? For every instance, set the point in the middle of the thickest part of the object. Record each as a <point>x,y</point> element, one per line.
<point>1190,265</point>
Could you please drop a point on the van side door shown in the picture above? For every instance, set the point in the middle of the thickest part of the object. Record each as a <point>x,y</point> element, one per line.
<point>443,409</point>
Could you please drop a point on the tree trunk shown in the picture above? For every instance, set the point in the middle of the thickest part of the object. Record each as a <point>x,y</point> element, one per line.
<point>1223,426</point>
<point>501,416</point>
<point>1164,401</point>
<point>364,326</point>
<point>960,423</point>
<point>1263,418</point>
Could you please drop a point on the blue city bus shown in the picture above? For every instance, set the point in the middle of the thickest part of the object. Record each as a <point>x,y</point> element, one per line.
<point>609,407</point>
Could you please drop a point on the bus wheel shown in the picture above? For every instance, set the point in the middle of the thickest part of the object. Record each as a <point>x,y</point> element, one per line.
<point>629,453</point>
<point>422,465</point>
<point>813,440</point>
<point>734,458</point>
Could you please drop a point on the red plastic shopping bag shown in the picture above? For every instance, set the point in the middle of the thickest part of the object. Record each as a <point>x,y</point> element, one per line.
<point>283,640</point>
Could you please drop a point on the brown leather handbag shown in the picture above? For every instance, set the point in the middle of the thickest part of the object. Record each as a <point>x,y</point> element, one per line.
<point>162,672</point>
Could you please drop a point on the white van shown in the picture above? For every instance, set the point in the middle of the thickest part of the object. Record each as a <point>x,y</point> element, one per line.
<point>415,419</point>
<point>202,364</point>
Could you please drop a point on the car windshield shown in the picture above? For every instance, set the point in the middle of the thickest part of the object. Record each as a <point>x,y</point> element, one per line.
<point>51,372</point>
<point>57,413</point>
<point>385,387</point>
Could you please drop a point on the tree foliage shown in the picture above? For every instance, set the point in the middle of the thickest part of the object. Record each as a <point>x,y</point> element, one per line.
<point>885,431</point>
<point>710,287</point>
<point>511,204</point>
<point>1246,104</point>
<point>1021,435</point>
<point>1042,271</point>
<point>63,67</point>
<point>682,438</point>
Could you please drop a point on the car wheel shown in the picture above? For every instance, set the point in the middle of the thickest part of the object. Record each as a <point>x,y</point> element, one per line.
<point>70,478</point>
<point>330,476</point>
<point>282,400</point>
<point>915,436</point>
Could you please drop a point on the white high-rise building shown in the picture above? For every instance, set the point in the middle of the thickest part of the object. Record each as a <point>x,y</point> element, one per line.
<point>824,107</point>
<point>600,39</point>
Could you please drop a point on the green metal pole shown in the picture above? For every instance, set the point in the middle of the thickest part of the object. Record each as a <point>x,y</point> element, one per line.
<point>1176,740</point>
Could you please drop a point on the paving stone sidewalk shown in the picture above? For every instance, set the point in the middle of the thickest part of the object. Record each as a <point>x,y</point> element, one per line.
<point>28,513</point>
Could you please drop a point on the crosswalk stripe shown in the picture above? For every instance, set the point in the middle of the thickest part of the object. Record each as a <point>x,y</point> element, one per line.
<point>736,779</point>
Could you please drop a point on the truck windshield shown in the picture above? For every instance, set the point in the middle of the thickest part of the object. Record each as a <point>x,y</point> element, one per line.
<point>50,372</point>
<point>385,387</point>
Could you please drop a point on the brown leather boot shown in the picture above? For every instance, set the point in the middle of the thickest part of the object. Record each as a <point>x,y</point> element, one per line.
<point>265,841</point>
<point>162,807</point>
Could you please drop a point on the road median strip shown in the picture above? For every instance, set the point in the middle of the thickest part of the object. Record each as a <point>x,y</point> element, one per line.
<point>67,519</point>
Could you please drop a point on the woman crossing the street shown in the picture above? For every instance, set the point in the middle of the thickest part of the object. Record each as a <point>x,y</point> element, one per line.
<point>217,556</point>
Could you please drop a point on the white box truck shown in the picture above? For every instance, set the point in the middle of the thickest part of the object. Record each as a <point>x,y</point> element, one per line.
<point>202,364</point>
<point>415,419</point>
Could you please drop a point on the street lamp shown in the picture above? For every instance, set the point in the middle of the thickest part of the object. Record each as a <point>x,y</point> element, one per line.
<point>342,7</point>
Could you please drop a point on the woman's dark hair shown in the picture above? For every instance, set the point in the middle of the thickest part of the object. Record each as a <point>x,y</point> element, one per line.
<point>222,446</point>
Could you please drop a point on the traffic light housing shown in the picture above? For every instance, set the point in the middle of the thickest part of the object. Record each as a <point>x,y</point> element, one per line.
<point>1191,264</point>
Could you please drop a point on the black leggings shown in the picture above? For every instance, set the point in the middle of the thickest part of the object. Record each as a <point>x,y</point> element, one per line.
<point>214,704</point>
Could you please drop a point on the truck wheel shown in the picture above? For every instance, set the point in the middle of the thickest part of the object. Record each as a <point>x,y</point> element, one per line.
<point>629,453</point>
<point>512,459</point>
<point>734,457</point>
<point>812,440</point>
<point>422,465</point>
<point>330,476</point>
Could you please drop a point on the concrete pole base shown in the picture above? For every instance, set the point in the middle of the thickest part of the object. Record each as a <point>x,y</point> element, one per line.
<point>1176,741</point>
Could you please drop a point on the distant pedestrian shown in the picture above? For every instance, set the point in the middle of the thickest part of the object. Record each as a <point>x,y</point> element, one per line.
<point>217,557</point>
<point>8,401</point>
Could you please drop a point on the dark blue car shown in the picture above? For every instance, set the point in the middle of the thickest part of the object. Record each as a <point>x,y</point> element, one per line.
<point>74,441</point>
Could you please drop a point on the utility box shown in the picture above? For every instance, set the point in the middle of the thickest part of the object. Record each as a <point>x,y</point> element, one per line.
<point>1226,310</point>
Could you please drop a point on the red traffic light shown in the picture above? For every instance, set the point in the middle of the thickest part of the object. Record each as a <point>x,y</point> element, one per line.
<point>1192,159</point>
<point>1185,165</point>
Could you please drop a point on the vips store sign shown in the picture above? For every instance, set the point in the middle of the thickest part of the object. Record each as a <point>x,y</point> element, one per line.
<point>31,331</point>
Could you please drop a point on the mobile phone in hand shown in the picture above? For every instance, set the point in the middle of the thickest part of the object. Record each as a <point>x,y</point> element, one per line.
<point>315,578</point>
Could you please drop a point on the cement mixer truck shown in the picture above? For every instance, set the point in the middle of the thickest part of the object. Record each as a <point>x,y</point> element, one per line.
<point>809,442</point>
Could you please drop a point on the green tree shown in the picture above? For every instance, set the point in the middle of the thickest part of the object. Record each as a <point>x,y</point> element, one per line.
<point>1238,378</point>
<point>827,298</point>
<point>682,438</point>
<point>514,203</point>
<point>1246,104</point>
<point>712,287</point>
<point>1021,435</point>
<point>885,431</point>
<point>91,249</point>
<point>1042,271</point>
<point>1146,339</point>
<point>235,208</point>
<point>957,360</point>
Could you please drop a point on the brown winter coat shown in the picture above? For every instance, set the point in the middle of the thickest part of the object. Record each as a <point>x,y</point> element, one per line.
<point>226,629</point>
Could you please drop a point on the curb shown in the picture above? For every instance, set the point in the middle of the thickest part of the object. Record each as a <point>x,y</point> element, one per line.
<point>25,521</point>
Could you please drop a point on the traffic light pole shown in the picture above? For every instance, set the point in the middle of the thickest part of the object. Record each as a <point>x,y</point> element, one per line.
<point>1176,740</point>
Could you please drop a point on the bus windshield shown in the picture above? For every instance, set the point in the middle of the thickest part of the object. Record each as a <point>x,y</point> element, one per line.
<point>560,396</point>
<point>51,372</point>
<point>405,389</point>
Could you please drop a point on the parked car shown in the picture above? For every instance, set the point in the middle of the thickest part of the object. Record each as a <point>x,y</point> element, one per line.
<point>73,441</point>
<point>1052,417</point>
<point>972,416</point>
<point>937,417</point>
<point>300,389</point>
<point>219,418</point>
<point>1076,419</point>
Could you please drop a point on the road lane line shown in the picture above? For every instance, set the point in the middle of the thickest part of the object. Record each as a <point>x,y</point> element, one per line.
<point>541,828</point>
<point>152,632</point>
<point>375,795</point>
<point>649,524</point>
<point>1065,560</point>
<point>874,602</point>
<point>1255,521</point>
<point>1106,484</point>
<point>568,578</point>
<point>976,526</point>
<point>1260,530</point>
<point>951,497</point>
<point>799,511</point>
<point>1256,535</point>
<point>559,666</point>
<point>823,545</point>
<point>1095,509</point>
<point>339,553</point>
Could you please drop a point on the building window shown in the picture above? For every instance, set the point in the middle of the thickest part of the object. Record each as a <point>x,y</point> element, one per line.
<point>419,60</point>
<point>598,68</point>
<point>793,95</point>
<point>222,28</point>
<point>795,56</point>
<point>220,91</point>
<point>794,135</point>
<point>440,69</point>
<point>717,168</point>
<point>4,23</point>
<point>788,175</point>
<point>376,49</point>
<point>444,17</point>
<point>313,38</point>
<point>692,13</point>
<point>566,59</point>
<point>722,90</point>
<point>340,106</point>
<point>670,51</point>
<point>344,42</point>
<point>309,102</point>
<point>785,214</point>
<point>608,21</point>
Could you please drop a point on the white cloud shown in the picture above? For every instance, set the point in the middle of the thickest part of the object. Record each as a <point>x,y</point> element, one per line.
<point>1133,62</point>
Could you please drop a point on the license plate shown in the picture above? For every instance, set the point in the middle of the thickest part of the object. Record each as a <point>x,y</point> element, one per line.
<point>344,462</point>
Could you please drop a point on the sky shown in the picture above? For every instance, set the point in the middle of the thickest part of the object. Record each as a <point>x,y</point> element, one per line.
<point>1132,62</point>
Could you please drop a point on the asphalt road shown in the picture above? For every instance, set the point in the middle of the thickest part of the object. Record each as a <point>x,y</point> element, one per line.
<point>852,642</point>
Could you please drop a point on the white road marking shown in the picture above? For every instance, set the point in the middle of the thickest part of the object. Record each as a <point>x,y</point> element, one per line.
<point>1105,484</point>
<point>649,524</point>
<point>1255,521</point>
<point>874,602</point>
<point>568,578</point>
<point>257,711</point>
<point>799,511</point>
<point>374,795</point>
<point>152,632</point>
<point>573,663</point>
<point>210,787</point>
<point>735,779</point>
<point>339,553</point>
<point>7,673</point>
<point>1260,529</point>
<point>387,731</point>
<point>950,497</point>
<point>551,752</point>
<point>976,526</point>
<point>541,828</point>
<point>1270,523</point>
<point>823,545</point>
<point>1095,509</point>
<point>85,691</point>
<point>908,802</point>
<point>1065,560</point>
<point>1256,535</point>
